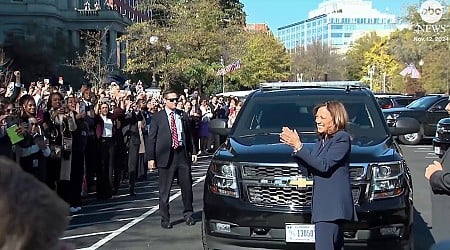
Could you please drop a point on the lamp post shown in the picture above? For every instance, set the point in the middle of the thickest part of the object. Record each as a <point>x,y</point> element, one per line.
<point>223,75</point>
<point>153,40</point>
<point>371,72</point>
<point>167,49</point>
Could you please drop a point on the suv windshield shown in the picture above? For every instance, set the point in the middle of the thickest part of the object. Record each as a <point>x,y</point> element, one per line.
<point>266,115</point>
<point>422,103</point>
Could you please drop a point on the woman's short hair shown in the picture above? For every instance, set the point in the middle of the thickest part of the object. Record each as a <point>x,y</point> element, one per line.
<point>49,101</point>
<point>338,113</point>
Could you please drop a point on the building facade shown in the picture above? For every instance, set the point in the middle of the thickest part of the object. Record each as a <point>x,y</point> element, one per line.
<point>70,18</point>
<point>259,27</point>
<point>336,23</point>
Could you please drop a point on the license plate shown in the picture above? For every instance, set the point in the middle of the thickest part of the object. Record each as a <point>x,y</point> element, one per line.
<point>437,150</point>
<point>300,233</point>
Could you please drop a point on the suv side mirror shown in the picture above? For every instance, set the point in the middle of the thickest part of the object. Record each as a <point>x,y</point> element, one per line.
<point>218,126</point>
<point>404,125</point>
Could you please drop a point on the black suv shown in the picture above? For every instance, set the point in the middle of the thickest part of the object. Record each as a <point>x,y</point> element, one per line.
<point>427,110</point>
<point>394,101</point>
<point>256,196</point>
<point>441,141</point>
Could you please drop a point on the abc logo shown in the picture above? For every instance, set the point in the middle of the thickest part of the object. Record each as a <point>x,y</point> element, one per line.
<point>431,11</point>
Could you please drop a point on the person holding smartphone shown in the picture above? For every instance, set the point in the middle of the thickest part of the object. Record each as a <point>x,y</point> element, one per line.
<point>59,123</point>
<point>6,109</point>
<point>86,107</point>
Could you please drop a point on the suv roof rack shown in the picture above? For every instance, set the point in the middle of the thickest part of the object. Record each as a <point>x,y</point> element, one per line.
<point>332,84</point>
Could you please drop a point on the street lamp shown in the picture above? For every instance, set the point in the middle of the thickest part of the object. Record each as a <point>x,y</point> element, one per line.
<point>167,49</point>
<point>153,40</point>
<point>223,75</point>
<point>371,72</point>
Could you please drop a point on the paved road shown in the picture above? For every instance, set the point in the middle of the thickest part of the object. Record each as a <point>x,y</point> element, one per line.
<point>133,223</point>
<point>418,157</point>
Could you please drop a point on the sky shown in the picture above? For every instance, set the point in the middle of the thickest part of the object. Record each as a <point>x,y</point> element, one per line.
<point>278,13</point>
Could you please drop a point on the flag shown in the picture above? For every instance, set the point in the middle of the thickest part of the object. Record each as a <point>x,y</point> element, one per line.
<point>221,72</point>
<point>410,70</point>
<point>229,68</point>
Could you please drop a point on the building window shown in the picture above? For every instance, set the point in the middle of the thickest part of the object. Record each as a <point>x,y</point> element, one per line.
<point>336,35</point>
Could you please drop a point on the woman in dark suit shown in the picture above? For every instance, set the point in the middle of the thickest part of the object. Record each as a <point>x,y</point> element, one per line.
<point>105,129</point>
<point>328,160</point>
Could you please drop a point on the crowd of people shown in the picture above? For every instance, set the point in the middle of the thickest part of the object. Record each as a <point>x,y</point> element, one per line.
<point>57,133</point>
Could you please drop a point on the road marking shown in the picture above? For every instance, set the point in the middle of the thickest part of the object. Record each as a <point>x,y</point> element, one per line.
<point>134,221</point>
<point>99,222</point>
<point>117,203</point>
<point>110,211</point>
<point>85,235</point>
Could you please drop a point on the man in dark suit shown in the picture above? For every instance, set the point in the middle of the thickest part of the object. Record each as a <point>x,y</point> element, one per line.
<point>171,151</point>
<point>438,174</point>
<point>132,116</point>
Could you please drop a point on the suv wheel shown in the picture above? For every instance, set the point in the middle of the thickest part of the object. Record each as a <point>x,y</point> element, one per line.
<point>411,139</point>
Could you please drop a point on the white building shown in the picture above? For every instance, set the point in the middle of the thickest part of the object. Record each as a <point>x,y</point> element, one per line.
<point>336,23</point>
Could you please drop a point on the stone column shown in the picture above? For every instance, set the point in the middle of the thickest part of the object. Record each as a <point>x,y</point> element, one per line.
<point>75,35</point>
<point>112,62</point>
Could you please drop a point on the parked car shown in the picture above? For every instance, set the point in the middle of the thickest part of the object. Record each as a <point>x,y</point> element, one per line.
<point>427,110</point>
<point>257,196</point>
<point>394,101</point>
<point>441,140</point>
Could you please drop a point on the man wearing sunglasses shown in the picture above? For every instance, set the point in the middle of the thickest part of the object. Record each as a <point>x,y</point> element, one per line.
<point>171,151</point>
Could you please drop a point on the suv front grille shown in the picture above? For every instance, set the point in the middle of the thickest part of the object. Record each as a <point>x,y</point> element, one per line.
<point>268,184</point>
<point>265,171</point>
<point>272,188</point>
<point>279,196</point>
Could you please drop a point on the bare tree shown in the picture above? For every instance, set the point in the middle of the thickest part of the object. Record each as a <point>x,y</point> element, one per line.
<point>317,62</point>
<point>6,74</point>
<point>94,60</point>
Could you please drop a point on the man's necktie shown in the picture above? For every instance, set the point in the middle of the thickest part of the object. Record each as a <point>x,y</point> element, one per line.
<point>174,131</point>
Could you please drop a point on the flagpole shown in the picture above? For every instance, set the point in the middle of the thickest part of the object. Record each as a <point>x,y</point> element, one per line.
<point>223,74</point>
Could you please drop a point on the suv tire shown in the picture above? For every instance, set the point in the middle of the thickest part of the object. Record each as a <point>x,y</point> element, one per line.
<point>411,139</point>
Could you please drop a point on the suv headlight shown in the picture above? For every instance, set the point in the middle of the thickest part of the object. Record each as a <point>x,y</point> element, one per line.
<point>439,129</point>
<point>387,179</point>
<point>224,179</point>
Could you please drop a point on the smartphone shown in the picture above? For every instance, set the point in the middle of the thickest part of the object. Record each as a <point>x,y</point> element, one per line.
<point>13,135</point>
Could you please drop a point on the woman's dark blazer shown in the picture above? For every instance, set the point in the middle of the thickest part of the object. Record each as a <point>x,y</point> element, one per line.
<point>100,124</point>
<point>329,163</point>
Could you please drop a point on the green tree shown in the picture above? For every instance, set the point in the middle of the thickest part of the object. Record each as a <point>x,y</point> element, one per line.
<point>354,58</point>
<point>233,12</point>
<point>265,60</point>
<point>384,65</point>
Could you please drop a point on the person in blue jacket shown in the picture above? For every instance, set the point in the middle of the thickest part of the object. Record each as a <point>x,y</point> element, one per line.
<point>328,160</point>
